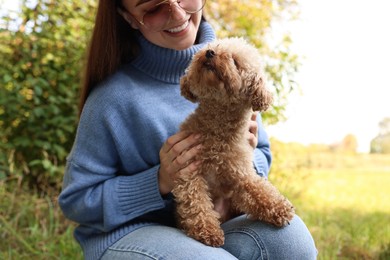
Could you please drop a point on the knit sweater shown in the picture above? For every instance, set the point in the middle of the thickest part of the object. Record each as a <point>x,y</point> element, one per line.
<point>110,185</point>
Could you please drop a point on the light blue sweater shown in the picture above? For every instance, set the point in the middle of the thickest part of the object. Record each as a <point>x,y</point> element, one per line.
<point>111,183</point>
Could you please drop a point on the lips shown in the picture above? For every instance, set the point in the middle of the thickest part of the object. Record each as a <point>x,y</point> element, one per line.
<point>179,28</point>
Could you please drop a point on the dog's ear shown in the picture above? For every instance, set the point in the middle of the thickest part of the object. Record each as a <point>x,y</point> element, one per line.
<point>261,97</point>
<point>185,89</point>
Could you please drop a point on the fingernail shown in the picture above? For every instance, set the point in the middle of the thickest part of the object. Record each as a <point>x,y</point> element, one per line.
<point>197,136</point>
<point>199,147</point>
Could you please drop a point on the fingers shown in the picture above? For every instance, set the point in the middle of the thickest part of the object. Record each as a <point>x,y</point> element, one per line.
<point>185,157</point>
<point>253,127</point>
<point>189,168</point>
<point>173,140</point>
<point>253,130</point>
<point>178,143</point>
<point>167,179</point>
<point>254,116</point>
<point>181,148</point>
<point>177,157</point>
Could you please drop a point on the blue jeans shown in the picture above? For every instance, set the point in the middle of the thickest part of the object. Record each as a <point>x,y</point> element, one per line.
<point>244,239</point>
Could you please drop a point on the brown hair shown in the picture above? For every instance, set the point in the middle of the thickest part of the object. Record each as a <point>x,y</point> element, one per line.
<point>112,44</point>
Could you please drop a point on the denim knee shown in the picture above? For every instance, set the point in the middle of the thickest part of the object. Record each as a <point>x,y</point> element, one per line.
<point>247,239</point>
<point>162,243</point>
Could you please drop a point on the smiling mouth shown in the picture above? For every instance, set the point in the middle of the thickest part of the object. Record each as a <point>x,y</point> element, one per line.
<point>179,28</point>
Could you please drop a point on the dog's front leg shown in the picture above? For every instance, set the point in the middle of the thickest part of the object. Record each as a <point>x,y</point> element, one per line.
<point>195,210</point>
<point>261,200</point>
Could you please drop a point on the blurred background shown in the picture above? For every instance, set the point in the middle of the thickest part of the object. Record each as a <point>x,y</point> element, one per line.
<point>327,63</point>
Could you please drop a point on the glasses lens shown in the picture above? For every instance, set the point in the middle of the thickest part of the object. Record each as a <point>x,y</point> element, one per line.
<point>192,6</point>
<point>158,12</point>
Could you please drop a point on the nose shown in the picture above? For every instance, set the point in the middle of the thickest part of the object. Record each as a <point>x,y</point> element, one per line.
<point>210,54</point>
<point>176,12</point>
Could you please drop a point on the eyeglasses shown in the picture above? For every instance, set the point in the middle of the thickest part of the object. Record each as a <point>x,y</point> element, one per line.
<point>157,13</point>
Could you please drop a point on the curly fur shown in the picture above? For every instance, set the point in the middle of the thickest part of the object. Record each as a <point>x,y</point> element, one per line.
<point>226,79</point>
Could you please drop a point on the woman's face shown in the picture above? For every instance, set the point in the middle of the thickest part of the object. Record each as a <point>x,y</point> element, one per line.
<point>164,23</point>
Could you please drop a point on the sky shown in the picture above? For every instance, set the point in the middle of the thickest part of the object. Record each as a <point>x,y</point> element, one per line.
<point>345,72</point>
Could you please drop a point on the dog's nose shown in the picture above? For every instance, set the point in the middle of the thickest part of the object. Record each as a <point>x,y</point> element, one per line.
<point>210,54</point>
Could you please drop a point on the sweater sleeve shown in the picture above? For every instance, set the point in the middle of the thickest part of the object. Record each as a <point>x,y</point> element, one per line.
<point>97,192</point>
<point>262,154</point>
<point>104,202</point>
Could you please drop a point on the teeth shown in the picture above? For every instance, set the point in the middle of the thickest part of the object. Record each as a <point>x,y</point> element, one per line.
<point>179,28</point>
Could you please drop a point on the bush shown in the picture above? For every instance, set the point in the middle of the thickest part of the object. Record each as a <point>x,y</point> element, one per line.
<point>39,87</point>
<point>43,47</point>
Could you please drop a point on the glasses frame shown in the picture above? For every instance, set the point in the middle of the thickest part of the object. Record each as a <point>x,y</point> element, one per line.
<point>170,3</point>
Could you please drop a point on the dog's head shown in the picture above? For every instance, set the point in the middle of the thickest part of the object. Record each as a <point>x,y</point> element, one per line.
<point>227,71</point>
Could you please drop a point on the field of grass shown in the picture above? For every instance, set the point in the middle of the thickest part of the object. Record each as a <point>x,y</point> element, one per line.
<point>343,199</point>
<point>348,213</point>
<point>32,227</point>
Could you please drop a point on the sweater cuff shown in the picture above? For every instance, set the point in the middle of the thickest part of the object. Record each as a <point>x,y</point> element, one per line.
<point>139,194</point>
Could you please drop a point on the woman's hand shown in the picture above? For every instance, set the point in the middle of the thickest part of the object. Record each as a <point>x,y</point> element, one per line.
<point>252,133</point>
<point>177,157</point>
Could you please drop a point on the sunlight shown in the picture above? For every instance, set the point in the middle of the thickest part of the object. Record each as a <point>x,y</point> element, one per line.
<point>344,74</point>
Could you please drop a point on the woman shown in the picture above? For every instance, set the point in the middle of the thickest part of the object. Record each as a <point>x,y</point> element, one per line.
<point>128,150</point>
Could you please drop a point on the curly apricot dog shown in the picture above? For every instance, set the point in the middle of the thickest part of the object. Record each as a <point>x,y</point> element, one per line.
<point>226,79</point>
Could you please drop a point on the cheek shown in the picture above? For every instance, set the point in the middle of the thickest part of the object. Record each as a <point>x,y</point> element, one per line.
<point>151,36</point>
<point>196,19</point>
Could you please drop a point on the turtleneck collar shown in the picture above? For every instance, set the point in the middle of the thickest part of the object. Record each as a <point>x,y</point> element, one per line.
<point>169,65</point>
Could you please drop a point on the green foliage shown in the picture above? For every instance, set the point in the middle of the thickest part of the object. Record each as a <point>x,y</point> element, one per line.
<point>43,47</point>
<point>263,22</point>
<point>339,195</point>
<point>39,86</point>
<point>33,227</point>
<point>346,213</point>
<point>341,198</point>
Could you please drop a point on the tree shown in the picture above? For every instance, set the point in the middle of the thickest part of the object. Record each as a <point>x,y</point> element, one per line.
<point>39,87</point>
<point>42,51</point>
<point>381,143</point>
<point>263,22</point>
<point>349,144</point>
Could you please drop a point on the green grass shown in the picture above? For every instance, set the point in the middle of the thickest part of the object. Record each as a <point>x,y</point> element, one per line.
<point>33,228</point>
<point>343,199</point>
<point>348,214</point>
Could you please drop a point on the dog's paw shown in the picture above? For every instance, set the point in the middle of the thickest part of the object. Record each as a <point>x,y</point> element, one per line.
<point>211,237</point>
<point>215,239</point>
<point>283,214</point>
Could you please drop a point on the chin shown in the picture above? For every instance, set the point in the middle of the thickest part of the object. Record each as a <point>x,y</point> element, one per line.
<point>184,43</point>
<point>182,47</point>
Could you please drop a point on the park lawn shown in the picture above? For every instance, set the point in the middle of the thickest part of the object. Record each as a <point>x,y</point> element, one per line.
<point>345,204</point>
<point>33,227</point>
<point>347,211</point>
